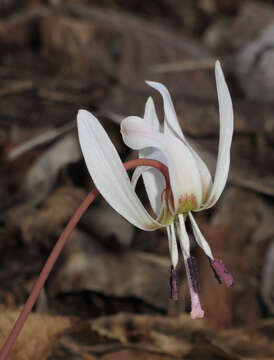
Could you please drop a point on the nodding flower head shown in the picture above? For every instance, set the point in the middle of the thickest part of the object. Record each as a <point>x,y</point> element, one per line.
<point>190,187</point>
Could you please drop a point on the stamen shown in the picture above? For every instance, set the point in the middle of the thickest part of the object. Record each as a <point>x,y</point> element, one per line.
<point>214,271</point>
<point>192,278</point>
<point>193,272</point>
<point>221,273</point>
<point>173,284</point>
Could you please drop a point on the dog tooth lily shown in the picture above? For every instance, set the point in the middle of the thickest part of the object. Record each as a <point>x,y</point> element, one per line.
<point>191,187</point>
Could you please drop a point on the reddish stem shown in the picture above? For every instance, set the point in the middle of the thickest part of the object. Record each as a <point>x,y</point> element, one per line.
<point>59,247</point>
<point>149,162</point>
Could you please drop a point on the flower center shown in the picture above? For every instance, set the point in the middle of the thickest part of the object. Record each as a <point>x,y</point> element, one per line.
<point>187,203</point>
<point>167,213</point>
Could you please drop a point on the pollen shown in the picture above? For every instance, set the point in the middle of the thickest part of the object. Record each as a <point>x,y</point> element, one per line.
<point>173,284</point>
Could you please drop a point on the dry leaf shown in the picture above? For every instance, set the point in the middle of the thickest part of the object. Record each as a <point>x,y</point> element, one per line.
<point>236,217</point>
<point>152,333</point>
<point>139,44</point>
<point>69,39</point>
<point>267,286</point>
<point>37,337</point>
<point>252,62</point>
<point>105,223</point>
<point>135,354</point>
<point>46,220</point>
<point>87,265</point>
<point>253,342</point>
<point>42,175</point>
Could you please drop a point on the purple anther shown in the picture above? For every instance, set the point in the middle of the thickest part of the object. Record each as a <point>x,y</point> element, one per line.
<point>173,284</point>
<point>221,272</point>
<point>214,271</point>
<point>193,273</point>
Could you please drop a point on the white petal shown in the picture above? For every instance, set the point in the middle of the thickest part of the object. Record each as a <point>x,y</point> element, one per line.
<point>201,241</point>
<point>154,180</point>
<point>172,127</point>
<point>172,244</point>
<point>183,237</point>
<point>108,172</point>
<point>150,115</point>
<point>226,131</point>
<point>171,124</point>
<point>184,174</point>
<point>205,175</point>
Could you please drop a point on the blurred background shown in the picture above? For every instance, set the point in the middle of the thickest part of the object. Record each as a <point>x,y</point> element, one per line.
<point>108,296</point>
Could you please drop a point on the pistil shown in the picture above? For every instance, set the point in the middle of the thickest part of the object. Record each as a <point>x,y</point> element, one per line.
<point>193,273</point>
<point>193,284</point>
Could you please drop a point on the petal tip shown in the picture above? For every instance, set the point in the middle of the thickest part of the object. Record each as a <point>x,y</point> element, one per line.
<point>149,83</point>
<point>84,116</point>
<point>218,70</point>
<point>149,102</point>
<point>217,64</point>
<point>155,84</point>
<point>82,112</point>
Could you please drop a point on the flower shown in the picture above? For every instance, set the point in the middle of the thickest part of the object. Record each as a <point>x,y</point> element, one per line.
<point>191,187</point>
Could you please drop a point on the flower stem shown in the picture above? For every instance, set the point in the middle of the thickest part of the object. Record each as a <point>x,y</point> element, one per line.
<point>59,247</point>
<point>45,273</point>
<point>149,162</point>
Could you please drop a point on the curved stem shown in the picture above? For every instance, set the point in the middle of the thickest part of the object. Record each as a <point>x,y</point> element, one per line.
<point>59,247</point>
<point>150,162</point>
<point>45,273</point>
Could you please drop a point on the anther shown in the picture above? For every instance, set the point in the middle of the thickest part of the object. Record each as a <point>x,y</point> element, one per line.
<point>221,273</point>
<point>193,273</point>
<point>173,284</point>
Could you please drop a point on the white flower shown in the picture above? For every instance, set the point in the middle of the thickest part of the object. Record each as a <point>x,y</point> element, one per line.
<point>191,186</point>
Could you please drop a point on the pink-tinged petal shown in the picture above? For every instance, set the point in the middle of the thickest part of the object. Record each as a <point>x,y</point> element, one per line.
<point>171,124</point>
<point>184,175</point>
<point>226,132</point>
<point>201,241</point>
<point>108,172</point>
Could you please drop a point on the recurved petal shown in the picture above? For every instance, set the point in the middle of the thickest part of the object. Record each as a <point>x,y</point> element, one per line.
<point>201,241</point>
<point>225,137</point>
<point>171,125</point>
<point>108,172</point>
<point>184,174</point>
<point>154,180</point>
